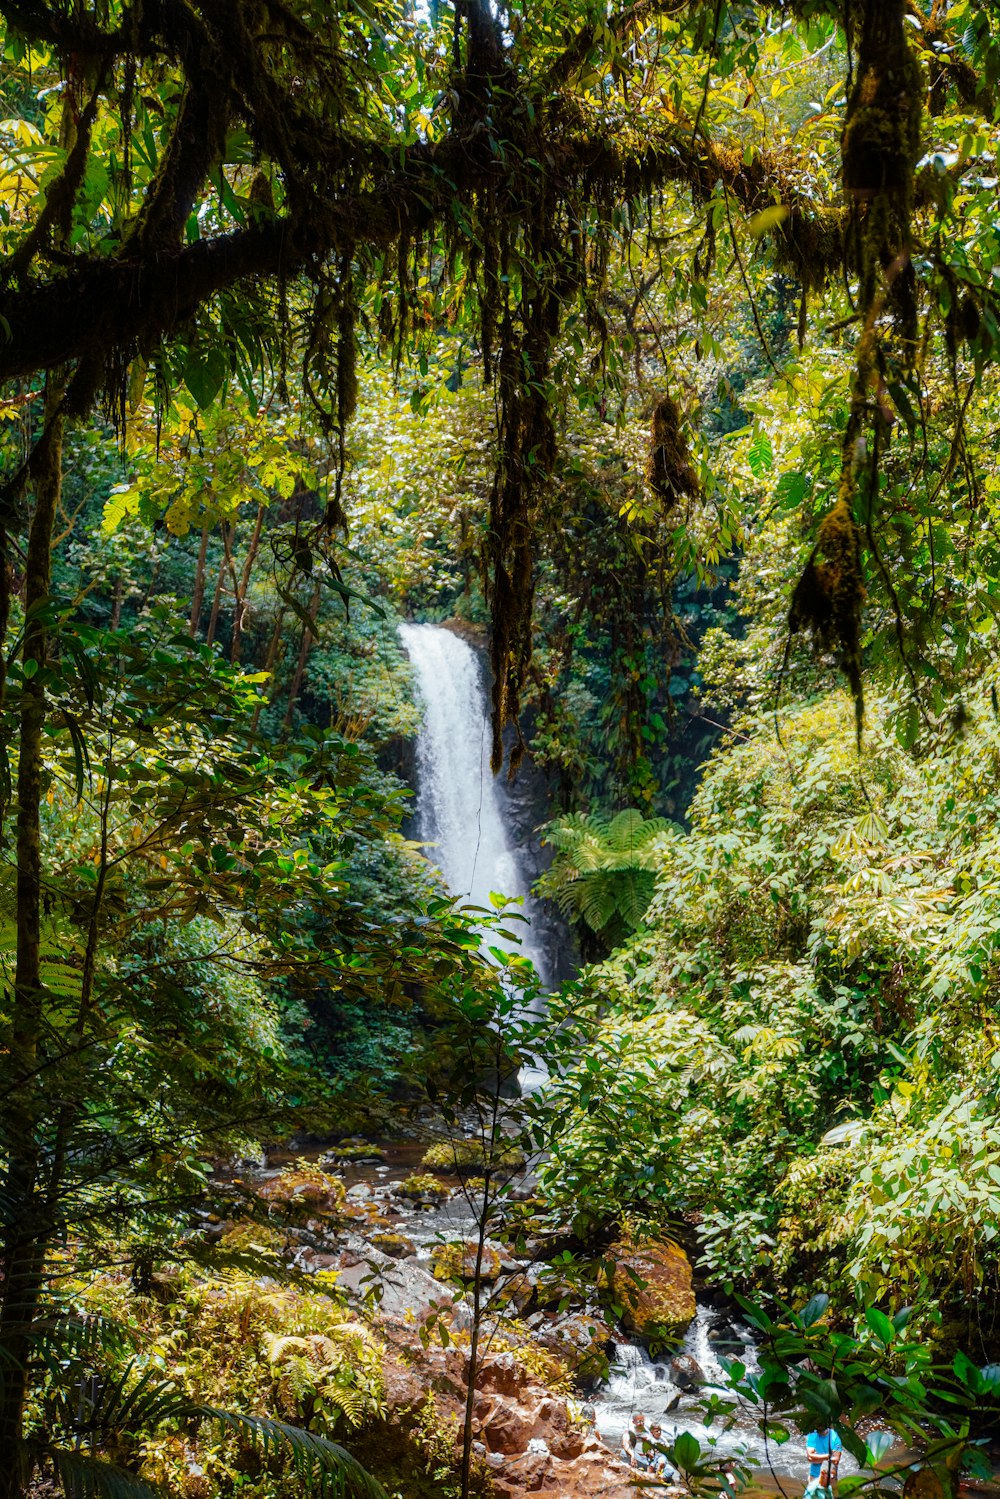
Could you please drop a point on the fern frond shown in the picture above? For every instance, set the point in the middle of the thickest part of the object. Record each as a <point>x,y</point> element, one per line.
<point>90,1478</point>
<point>120,1405</point>
<point>604,868</point>
<point>596,900</point>
<point>634,891</point>
<point>60,1339</point>
<point>632,840</point>
<point>316,1460</point>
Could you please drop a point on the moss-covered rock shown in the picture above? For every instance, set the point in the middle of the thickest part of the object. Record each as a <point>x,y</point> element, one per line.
<point>458,1261</point>
<point>305,1187</point>
<point>651,1280</point>
<point>471,1157</point>
<point>424,1189</point>
<point>352,1153</point>
<point>398,1246</point>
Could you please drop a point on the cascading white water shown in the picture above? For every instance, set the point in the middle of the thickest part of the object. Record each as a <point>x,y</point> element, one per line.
<point>705,1349</point>
<point>459,812</point>
<point>637,1382</point>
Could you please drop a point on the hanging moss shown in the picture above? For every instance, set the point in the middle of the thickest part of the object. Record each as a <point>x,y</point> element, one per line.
<point>347,370</point>
<point>829,598</point>
<point>669,469</point>
<point>880,147</point>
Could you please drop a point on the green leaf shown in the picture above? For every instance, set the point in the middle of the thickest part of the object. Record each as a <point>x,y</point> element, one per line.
<point>814,1309</point>
<point>91,1478</point>
<point>686,1451</point>
<point>767,219</point>
<point>880,1325</point>
<point>205,374</point>
<point>879,1444</point>
<point>760,455</point>
<point>791,490</point>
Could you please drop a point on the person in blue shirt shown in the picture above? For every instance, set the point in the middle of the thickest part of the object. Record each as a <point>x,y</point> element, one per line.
<point>824,1448</point>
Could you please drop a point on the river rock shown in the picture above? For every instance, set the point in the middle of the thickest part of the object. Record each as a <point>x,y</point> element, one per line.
<point>665,1305</point>
<point>353,1153</point>
<point>518,1291</point>
<point>396,1246</point>
<point>507,1427</point>
<point>555,1429</point>
<point>500,1374</point>
<point>457,1261</point>
<point>424,1190</point>
<point>304,1187</point>
<point>581,1342</point>
<point>686,1372</point>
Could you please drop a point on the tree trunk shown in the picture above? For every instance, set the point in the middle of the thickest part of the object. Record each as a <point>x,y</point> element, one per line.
<point>300,666</point>
<point>25,1218</point>
<point>198,593</point>
<point>272,656</point>
<point>477,1323</point>
<point>243,586</point>
<point>116,607</point>
<point>213,619</point>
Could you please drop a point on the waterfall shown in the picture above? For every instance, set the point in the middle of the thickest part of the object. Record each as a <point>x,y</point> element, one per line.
<point>459,812</point>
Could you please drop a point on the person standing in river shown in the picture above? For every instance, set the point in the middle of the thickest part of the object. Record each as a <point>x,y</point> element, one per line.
<point>824,1448</point>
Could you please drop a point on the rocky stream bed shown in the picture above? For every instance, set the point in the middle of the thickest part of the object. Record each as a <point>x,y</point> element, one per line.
<point>384,1239</point>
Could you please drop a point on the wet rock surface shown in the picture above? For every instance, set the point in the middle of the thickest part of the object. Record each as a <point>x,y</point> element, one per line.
<point>687,1372</point>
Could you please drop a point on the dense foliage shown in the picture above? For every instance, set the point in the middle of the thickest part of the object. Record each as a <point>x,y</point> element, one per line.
<point>659,346</point>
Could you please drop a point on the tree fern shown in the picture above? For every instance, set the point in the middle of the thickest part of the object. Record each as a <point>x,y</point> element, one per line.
<point>603,872</point>
<point>324,1466</point>
<point>89,1478</point>
<point>78,1402</point>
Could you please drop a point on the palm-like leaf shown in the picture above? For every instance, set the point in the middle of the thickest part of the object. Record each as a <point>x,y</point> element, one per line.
<point>90,1478</point>
<point>603,872</point>
<point>68,1348</point>
<point>325,1466</point>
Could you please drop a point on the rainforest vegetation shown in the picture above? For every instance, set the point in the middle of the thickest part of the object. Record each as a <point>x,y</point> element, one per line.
<point>653,348</point>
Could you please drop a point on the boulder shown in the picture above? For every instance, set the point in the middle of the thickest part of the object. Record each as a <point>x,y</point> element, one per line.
<point>659,1302</point>
<point>304,1187</point>
<point>530,1473</point>
<point>500,1374</point>
<point>579,1341</point>
<point>554,1428</point>
<point>518,1291</point>
<point>312,1260</point>
<point>353,1152</point>
<point>396,1246</point>
<point>424,1190</point>
<point>686,1372</point>
<point>457,1261</point>
<point>506,1427</point>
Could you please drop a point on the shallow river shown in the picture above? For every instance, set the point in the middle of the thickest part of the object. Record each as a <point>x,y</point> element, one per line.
<point>635,1381</point>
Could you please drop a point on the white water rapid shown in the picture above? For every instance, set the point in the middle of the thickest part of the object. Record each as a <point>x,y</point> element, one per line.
<point>459,811</point>
<point>638,1383</point>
